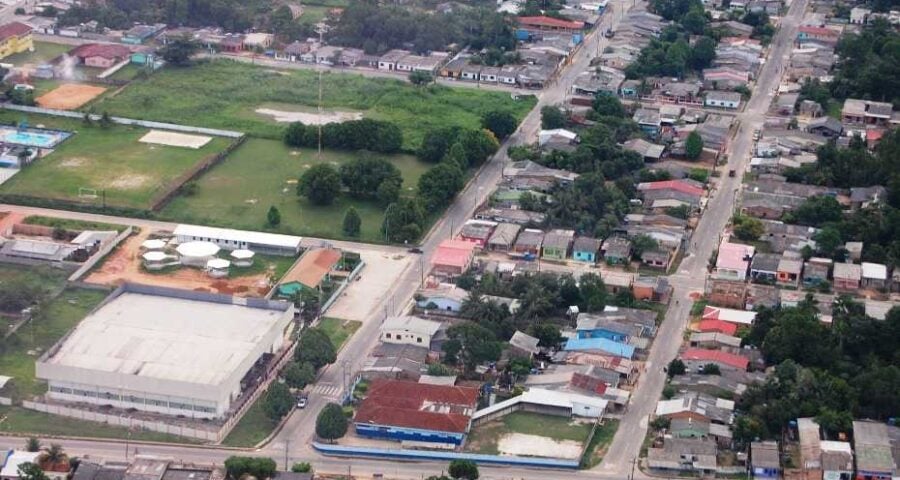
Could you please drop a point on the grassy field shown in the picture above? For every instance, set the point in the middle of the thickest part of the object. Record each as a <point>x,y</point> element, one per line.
<point>53,320</point>
<point>128,72</point>
<point>70,224</point>
<point>279,265</point>
<point>43,53</point>
<point>253,428</point>
<point>339,331</point>
<point>225,94</point>
<point>484,438</point>
<point>108,160</point>
<point>18,420</point>
<point>597,446</point>
<point>261,173</point>
<point>313,13</point>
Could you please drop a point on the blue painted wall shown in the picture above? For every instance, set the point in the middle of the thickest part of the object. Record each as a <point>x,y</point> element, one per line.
<point>425,455</point>
<point>585,256</point>
<point>397,433</point>
<point>602,333</point>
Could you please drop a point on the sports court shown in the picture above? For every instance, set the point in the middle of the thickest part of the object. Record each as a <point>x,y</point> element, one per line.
<point>174,139</point>
<point>69,96</point>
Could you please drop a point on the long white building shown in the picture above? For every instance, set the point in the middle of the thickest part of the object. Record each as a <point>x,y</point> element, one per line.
<point>230,239</point>
<point>164,350</point>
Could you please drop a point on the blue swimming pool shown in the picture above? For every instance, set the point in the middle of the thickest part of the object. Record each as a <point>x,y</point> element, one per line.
<point>31,138</point>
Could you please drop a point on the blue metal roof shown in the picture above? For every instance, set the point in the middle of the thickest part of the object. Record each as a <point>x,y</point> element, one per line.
<point>603,344</point>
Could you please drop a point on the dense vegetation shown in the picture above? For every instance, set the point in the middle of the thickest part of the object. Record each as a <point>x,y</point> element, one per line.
<point>850,370</point>
<point>232,15</point>
<point>869,65</point>
<point>671,54</point>
<point>376,29</point>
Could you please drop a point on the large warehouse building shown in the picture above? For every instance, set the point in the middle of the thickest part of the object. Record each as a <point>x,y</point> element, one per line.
<point>166,351</point>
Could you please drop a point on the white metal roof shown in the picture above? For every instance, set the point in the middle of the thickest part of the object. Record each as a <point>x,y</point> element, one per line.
<point>198,249</point>
<point>258,238</point>
<point>3,380</point>
<point>409,323</point>
<point>16,458</point>
<point>541,396</point>
<point>242,254</point>
<point>218,264</point>
<point>874,270</point>
<point>154,244</point>
<point>194,341</point>
<point>154,256</point>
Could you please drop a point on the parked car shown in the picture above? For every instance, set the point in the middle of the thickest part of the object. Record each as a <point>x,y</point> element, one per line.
<point>301,402</point>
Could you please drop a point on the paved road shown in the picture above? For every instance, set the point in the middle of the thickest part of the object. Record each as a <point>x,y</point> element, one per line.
<point>692,271</point>
<point>293,441</point>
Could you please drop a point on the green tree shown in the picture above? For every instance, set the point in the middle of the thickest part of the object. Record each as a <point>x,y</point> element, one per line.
<point>676,367</point>
<point>277,401</point>
<point>261,468</point>
<point>548,334</point>
<point>463,469</point>
<point>364,175</point>
<point>33,444</point>
<point>418,77</point>
<point>437,142</point>
<point>388,192</point>
<point>273,216</point>
<point>703,53</point>
<point>817,210</point>
<point>178,52</point>
<point>479,145</point>
<point>352,223</point>
<point>552,117</point>
<point>594,296</point>
<point>748,228</point>
<point>301,467</point>
<point>315,348</point>
<point>31,471</point>
<point>501,123</point>
<point>299,375</point>
<point>105,120</point>
<point>828,240</point>
<point>321,184</point>
<point>474,343</point>
<point>643,243</point>
<point>439,185</point>
<point>331,424</point>
<point>608,106</point>
<point>457,156</point>
<point>403,220</point>
<point>693,146</point>
<point>711,369</point>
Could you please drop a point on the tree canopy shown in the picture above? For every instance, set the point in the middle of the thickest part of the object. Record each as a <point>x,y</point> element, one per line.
<point>331,424</point>
<point>261,468</point>
<point>277,401</point>
<point>321,184</point>
<point>315,348</point>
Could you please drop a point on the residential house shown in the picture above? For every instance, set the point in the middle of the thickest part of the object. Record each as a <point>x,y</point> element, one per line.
<point>139,34</point>
<point>532,170</point>
<point>818,35</point>
<point>790,269</point>
<point>452,258</point>
<point>733,261</point>
<point>697,406</point>
<point>836,460</point>
<point>815,271</point>
<point>854,250</point>
<point>445,297</point>
<point>508,74</point>
<point>650,152</point>
<point>738,317</point>
<point>388,61</point>
<point>15,38</point>
<point>722,386</point>
<point>862,197</point>
<point>503,238</point>
<point>408,411</point>
<point>327,55</point>
<point>409,330</point>
<point>727,293</point>
<point>874,275</point>
<point>544,23</point>
<point>715,131</point>
<point>454,68</point>
<point>293,51</point>
<point>859,15</point>
<point>488,74</point>
<point>714,340</point>
<point>523,345</point>
<point>557,139</point>
<point>601,345</point>
<point>717,326</point>
<point>556,244</point>
<point>696,358</point>
<point>724,78</point>
<point>231,43</point>
<point>684,454</point>
<point>648,120</point>
<point>761,296</point>
<point>477,232</point>
<point>651,288</point>
<point>810,109</point>
<point>847,276</point>
<point>529,243</point>
<point>508,215</point>
<point>825,126</point>
<point>12,459</point>
<point>679,92</point>
<point>352,57</point>
<point>786,103</point>
<point>656,259</point>
<point>865,112</point>
<point>616,250</point>
<point>765,460</point>
<point>764,267</point>
<point>874,456</point>
<point>734,28</point>
<point>684,190</point>
<point>728,100</point>
<point>585,249</point>
<point>100,55</point>
<point>311,272</point>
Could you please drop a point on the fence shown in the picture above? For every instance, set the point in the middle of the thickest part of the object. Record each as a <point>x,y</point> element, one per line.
<point>128,121</point>
<point>100,254</point>
<point>401,454</point>
<point>161,199</point>
<point>337,293</point>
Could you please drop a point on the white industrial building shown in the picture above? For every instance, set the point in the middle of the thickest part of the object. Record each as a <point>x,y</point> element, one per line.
<point>165,350</point>
<point>229,239</point>
<point>409,330</point>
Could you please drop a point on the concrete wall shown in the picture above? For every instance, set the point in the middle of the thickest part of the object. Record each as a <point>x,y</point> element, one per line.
<point>401,454</point>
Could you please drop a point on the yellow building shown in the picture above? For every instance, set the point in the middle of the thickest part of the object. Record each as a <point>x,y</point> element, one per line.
<point>15,38</point>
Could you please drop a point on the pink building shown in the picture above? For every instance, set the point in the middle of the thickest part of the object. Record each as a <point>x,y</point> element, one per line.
<point>733,261</point>
<point>452,258</point>
<point>101,55</point>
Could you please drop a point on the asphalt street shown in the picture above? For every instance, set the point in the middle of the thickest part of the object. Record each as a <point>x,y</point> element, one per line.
<point>292,443</point>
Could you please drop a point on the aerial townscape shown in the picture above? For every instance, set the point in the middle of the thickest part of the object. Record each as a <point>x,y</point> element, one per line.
<point>435,240</point>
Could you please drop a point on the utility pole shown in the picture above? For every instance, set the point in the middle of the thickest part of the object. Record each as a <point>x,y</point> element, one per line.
<point>287,443</point>
<point>321,29</point>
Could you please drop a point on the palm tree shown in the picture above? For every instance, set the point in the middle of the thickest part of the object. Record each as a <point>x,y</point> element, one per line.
<point>32,444</point>
<point>54,455</point>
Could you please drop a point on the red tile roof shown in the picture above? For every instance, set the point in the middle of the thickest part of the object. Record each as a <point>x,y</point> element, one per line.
<point>818,30</point>
<point>14,29</point>
<point>720,326</point>
<point>313,266</point>
<point>676,185</point>
<point>100,50</point>
<point>716,356</point>
<point>454,253</point>
<point>542,21</point>
<point>414,405</point>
